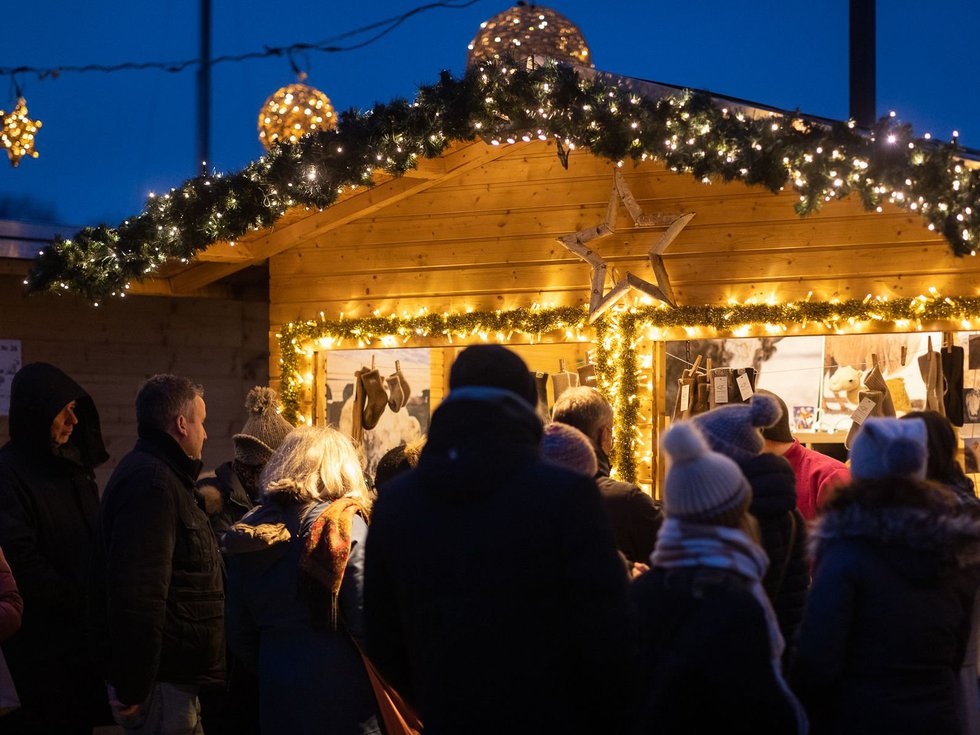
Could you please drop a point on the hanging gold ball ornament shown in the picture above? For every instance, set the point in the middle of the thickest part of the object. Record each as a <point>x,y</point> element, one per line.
<point>17,134</point>
<point>292,112</point>
<point>529,30</point>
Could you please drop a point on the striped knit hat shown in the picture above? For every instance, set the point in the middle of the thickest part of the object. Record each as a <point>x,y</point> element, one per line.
<point>702,486</point>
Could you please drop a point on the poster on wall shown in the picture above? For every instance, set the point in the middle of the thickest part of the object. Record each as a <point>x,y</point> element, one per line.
<point>397,396</point>
<point>9,365</point>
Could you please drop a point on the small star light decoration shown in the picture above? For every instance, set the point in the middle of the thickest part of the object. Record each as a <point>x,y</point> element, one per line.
<point>17,133</point>
<point>599,300</point>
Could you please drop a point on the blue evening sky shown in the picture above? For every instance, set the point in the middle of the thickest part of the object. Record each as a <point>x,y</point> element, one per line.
<point>110,139</point>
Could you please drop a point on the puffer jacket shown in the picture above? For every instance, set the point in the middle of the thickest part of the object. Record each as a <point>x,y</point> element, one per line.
<point>162,571</point>
<point>888,617</point>
<point>783,536</point>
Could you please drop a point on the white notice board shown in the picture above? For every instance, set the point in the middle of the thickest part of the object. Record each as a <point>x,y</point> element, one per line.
<point>9,365</point>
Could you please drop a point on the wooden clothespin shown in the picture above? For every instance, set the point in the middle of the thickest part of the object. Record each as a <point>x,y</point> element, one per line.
<point>874,360</point>
<point>905,354</point>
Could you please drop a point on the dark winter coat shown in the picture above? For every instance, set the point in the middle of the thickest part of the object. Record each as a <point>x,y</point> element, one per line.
<point>162,573</point>
<point>704,657</point>
<point>48,507</point>
<point>224,498</point>
<point>633,515</point>
<point>494,596</point>
<point>780,523</point>
<point>311,678</point>
<point>888,616</point>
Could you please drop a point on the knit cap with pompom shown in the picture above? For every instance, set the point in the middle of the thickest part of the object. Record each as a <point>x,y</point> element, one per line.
<point>264,428</point>
<point>887,447</point>
<point>735,430</point>
<point>702,486</point>
<point>567,446</point>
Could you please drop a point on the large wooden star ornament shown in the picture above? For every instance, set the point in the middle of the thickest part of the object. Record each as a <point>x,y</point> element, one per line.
<point>600,300</point>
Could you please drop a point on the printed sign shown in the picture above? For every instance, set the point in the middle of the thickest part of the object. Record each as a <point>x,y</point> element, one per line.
<point>9,365</point>
<point>685,397</point>
<point>863,410</point>
<point>721,388</point>
<point>744,386</point>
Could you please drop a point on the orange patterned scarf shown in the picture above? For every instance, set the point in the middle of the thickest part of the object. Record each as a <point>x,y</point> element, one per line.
<point>327,548</point>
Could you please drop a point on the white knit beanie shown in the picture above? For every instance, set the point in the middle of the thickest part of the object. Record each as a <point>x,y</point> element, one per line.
<point>702,486</point>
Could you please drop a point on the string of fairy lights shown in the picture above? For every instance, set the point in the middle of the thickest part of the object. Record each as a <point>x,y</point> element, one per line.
<point>18,131</point>
<point>618,338</point>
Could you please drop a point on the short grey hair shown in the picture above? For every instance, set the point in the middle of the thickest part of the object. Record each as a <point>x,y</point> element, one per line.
<point>315,463</point>
<point>585,408</point>
<point>163,398</point>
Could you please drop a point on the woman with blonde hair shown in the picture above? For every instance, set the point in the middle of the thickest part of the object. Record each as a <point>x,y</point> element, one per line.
<point>293,603</point>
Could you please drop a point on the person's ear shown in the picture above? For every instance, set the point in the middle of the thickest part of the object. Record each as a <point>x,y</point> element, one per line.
<point>605,438</point>
<point>181,425</point>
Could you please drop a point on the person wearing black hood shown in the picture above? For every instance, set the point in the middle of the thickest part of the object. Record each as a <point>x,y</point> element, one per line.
<point>494,598</point>
<point>48,507</point>
<point>163,628</point>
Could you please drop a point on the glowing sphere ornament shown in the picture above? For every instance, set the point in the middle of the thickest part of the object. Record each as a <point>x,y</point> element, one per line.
<point>17,133</point>
<point>529,30</point>
<point>292,112</point>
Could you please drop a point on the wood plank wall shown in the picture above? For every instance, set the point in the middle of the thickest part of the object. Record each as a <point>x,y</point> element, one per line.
<point>486,240</point>
<point>110,350</point>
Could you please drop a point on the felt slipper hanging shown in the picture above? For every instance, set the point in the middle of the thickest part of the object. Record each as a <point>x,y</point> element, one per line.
<point>375,397</point>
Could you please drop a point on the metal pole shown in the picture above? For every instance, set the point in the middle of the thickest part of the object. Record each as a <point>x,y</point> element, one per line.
<point>862,70</point>
<point>204,91</point>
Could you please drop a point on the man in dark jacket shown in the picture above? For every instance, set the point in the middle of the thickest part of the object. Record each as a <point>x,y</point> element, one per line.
<point>48,507</point>
<point>494,597</point>
<point>162,568</point>
<point>634,516</point>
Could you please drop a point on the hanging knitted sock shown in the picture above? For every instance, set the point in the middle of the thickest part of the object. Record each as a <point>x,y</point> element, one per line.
<point>873,380</point>
<point>406,390</point>
<point>376,398</point>
<point>395,399</point>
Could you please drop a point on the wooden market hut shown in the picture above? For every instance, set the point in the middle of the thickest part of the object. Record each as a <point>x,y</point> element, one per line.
<point>463,242</point>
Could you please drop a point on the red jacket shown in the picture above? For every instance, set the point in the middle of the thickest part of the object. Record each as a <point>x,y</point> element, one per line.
<point>11,604</point>
<point>816,473</point>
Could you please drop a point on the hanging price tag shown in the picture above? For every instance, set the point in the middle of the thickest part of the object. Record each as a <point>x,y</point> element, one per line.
<point>721,388</point>
<point>744,386</point>
<point>863,410</point>
<point>685,397</point>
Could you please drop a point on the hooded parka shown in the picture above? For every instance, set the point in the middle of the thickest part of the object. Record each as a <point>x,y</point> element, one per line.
<point>48,507</point>
<point>494,598</point>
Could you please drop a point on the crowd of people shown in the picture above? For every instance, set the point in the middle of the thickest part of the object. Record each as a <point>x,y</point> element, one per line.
<point>491,578</point>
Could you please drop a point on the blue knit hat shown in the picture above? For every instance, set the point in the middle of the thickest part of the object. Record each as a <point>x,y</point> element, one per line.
<point>702,486</point>
<point>735,429</point>
<point>886,447</point>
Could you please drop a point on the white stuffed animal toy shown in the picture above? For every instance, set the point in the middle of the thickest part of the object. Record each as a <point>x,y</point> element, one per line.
<point>846,380</point>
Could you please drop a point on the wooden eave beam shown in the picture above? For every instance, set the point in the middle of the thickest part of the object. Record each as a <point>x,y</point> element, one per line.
<point>358,204</point>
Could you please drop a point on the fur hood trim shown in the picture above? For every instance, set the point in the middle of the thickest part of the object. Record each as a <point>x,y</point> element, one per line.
<point>951,534</point>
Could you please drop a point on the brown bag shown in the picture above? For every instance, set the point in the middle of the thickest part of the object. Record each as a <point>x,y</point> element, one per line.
<point>397,716</point>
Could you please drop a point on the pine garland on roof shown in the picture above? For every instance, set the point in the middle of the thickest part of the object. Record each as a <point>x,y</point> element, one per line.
<point>504,104</point>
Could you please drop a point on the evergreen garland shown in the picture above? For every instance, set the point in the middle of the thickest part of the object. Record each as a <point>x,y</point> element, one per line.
<point>502,103</point>
<point>615,339</point>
